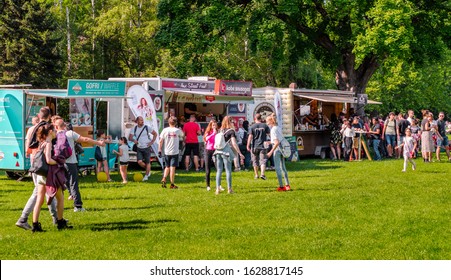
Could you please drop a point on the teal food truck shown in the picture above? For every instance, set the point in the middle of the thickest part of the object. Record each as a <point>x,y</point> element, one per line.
<point>19,105</point>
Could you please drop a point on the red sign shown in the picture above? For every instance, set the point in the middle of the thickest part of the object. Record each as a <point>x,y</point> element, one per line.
<point>210,98</point>
<point>237,88</point>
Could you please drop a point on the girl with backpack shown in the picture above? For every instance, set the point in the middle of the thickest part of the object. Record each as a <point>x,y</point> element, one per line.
<point>279,160</point>
<point>53,181</point>
<point>209,139</point>
<point>225,148</point>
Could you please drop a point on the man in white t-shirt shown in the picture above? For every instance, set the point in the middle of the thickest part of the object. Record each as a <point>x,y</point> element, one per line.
<point>170,138</point>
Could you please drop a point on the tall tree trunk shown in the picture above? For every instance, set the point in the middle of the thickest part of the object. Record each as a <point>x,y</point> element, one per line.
<point>93,46</point>
<point>69,48</point>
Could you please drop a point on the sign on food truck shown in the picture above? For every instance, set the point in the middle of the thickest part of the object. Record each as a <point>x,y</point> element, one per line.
<point>95,88</point>
<point>241,88</point>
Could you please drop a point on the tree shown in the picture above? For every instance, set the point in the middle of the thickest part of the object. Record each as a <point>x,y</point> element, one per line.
<point>354,37</point>
<point>28,45</point>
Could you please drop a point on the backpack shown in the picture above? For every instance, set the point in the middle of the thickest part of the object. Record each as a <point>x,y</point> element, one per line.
<point>62,147</point>
<point>220,142</point>
<point>285,148</point>
<point>34,143</point>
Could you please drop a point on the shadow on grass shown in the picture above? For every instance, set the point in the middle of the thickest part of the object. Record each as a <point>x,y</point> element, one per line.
<point>115,198</point>
<point>127,208</point>
<point>129,225</point>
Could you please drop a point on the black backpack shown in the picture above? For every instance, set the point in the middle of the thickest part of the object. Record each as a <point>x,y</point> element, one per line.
<point>34,143</point>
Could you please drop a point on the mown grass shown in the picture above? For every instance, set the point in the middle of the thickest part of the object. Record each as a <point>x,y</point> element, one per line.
<point>337,210</point>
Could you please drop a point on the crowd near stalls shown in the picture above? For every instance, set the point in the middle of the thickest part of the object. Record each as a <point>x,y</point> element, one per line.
<point>195,125</point>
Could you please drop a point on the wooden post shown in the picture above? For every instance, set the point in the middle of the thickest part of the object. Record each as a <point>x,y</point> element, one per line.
<point>365,147</point>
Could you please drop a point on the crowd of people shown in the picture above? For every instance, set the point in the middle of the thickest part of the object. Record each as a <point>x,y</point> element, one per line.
<point>224,145</point>
<point>396,136</point>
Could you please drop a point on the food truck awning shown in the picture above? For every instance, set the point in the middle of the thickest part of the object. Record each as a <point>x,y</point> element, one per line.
<point>333,98</point>
<point>203,97</point>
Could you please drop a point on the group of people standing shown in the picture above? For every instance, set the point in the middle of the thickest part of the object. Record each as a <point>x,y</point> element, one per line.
<point>235,145</point>
<point>395,136</point>
<point>62,171</point>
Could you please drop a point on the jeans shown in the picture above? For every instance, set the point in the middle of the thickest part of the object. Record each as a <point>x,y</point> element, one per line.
<point>32,202</point>
<point>72,181</point>
<point>376,143</point>
<point>223,161</point>
<point>279,165</point>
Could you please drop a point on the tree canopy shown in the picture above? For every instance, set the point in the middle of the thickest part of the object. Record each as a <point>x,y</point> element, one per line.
<point>397,51</point>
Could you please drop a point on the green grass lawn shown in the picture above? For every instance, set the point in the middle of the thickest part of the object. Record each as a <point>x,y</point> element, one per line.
<point>337,210</point>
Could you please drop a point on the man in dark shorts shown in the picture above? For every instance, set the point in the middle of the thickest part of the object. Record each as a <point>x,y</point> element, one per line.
<point>191,130</point>
<point>258,134</point>
<point>140,135</point>
<point>170,138</point>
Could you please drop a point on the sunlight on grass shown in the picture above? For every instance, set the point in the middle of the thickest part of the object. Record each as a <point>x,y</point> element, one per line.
<point>337,210</point>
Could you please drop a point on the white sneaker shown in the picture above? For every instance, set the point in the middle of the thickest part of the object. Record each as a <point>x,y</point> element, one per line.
<point>208,189</point>
<point>145,178</point>
<point>414,167</point>
<point>403,170</point>
<point>221,188</point>
<point>79,209</point>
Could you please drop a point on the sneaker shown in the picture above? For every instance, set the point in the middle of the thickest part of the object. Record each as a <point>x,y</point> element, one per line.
<point>403,170</point>
<point>23,225</point>
<point>174,186</point>
<point>255,176</point>
<point>237,170</point>
<point>79,209</point>
<point>281,189</point>
<point>70,197</point>
<point>287,188</point>
<point>221,188</point>
<point>55,220</point>
<point>124,182</point>
<point>230,191</point>
<point>37,227</point>
<point>414,167</point>
<point>263,177</point>
<point>217,191</point>
<point>208,189</point>
<point>163,183</point>
<point>62,224</point>
<point>145,178</point>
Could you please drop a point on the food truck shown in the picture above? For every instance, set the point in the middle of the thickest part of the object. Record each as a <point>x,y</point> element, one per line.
<point>19,105</point>
<point>207,97</point>
<point>298,106</point>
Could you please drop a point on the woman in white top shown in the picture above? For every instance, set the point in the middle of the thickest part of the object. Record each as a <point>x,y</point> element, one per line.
<point>123,158</point>
<point>279,160</point>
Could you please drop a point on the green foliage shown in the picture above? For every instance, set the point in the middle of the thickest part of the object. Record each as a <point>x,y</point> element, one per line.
<point>29,51</point>
<point>401,86</point>
<point>337,210</point>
